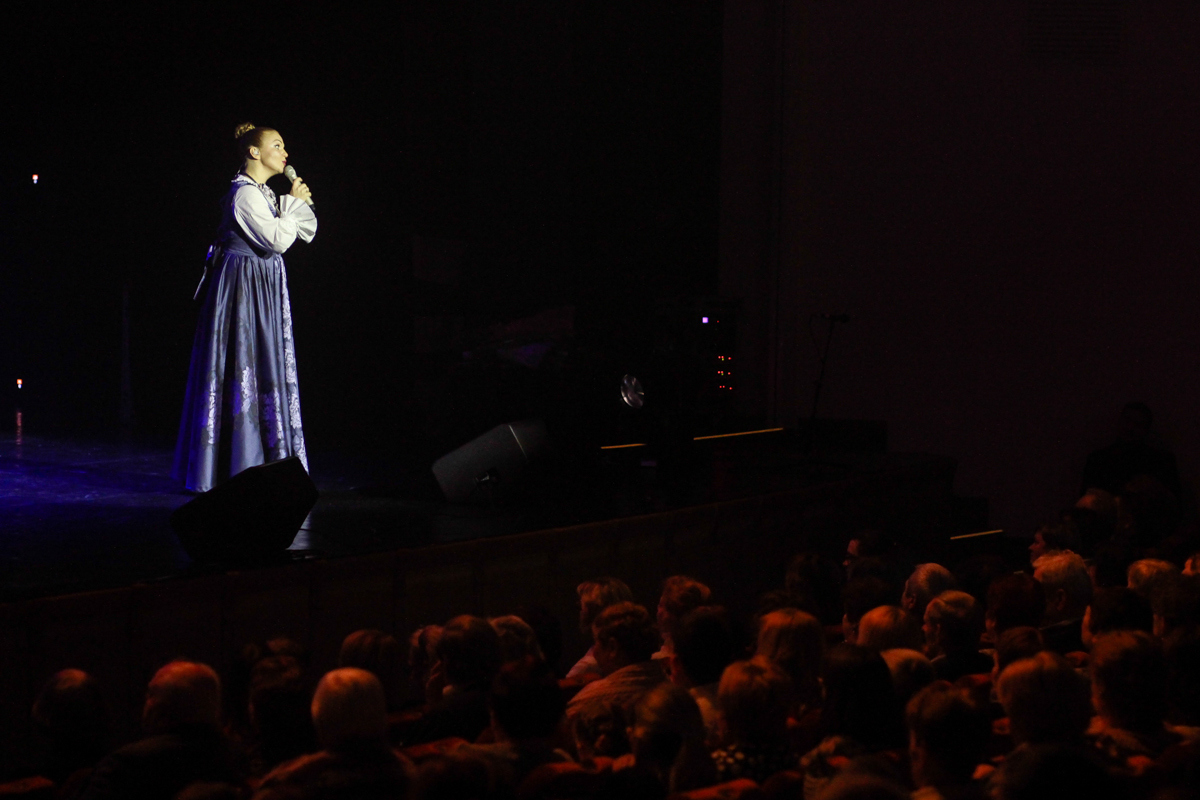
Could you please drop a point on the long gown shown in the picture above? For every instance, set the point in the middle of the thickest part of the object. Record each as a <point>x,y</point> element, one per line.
<point>242,406</point>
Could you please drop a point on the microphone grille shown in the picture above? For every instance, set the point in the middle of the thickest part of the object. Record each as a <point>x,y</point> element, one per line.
<point>290,172</point>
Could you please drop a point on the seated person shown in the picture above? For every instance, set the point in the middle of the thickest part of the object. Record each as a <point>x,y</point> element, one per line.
<point>468,658</point>
<point>1129,693</point>
<point>926,582</point>
<point>625,639</point>
<point>1068,589</point>
<point>1143,575</point>
<point>72,717</point>
<point>755,697</point>
<point>889,628</point>
<point>910,670</point>
<point>1045,699</point>
<point>1055,537</point>
<point>183,744</point>
<point>680,594</point>
<point>953,623</point>
<point>704,647</point>
<point>948,734</point>
<point>667,738</point>
<point>349,713</point>
<point>859,596</point>
<point>1115,609</point>
<point>595,596</point>
<point>1013,601</point>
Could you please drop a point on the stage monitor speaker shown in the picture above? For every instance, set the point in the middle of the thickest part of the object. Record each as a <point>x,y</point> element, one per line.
<point>254,514</point>
<point>488,467</point>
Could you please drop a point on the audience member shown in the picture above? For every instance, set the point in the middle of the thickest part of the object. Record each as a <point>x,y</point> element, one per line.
<point>795,642</point>
<point>1045,699</point>
<point>527,708</point>
<point>1176,604</point>
<point>1145,574</point>
<point>668,738</point>
<point>1068,589</point>
<point>1129,693</point>
<point>704,647</point>
<point>72,717</point>
<point>926,582</point>
<point>1115,609</point>
<point>948,733</point>
<point>1053,771</point>
<point>888,628</point>
<point>279,713</point>
<point>184,742</point>
<point>1015,644</point>
<point>517,639</point>
<point>910,670</point>
<point>468,657</point>
<point>625,639</point>
<point>1053,538</point>
<point>815,583</point>
<point>424,685</point>
<point>595,596</point>
<point>680,594</point>
<point>1013,601</point>
<point>378,653</point>
<point>755,697</point>
<point>953,623</point>
<point>859,596</point>
<point>349,713</point>
<point>860,716</point>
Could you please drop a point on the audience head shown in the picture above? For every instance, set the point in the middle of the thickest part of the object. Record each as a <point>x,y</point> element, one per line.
<point>859,596</point>
<point>888,628</point>
<point>469,651</point>
<point>517,639</point>
<point>667,737</point>
<point>1116,609</point>
<point>1176,603</point>
<point>860,699</point>
<point>279,709</point>
<point>181,694</point>
<point>378,653</point>
<point>71,712</point>
<point>680,594</point>
<point>422,653</point>
<point>598,594</point>
<point>1110,564</point>
<point>1054,537</point>
<point>911,672</point>
<point>1067,585</point>
<point>1143,575</point>
<point>624,634</point>
<point>926,582</point>
<point>525,700</point>
<point>850,785</point>
<point>1013,601</point>
<point>548,629</point>
<point>704,646</point>
<point>1129,680</point>
<point>952,623</point>
<point>600,729</point>
<point>1045,699</point>
<point>1015,644</point>
<point>349,710</point>
<point>948,735</point>
<point>755,697</point>
<point>795,642</point>
<point>1053,771</point>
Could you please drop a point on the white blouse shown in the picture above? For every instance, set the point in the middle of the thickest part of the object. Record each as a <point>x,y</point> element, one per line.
<point>262,228</point>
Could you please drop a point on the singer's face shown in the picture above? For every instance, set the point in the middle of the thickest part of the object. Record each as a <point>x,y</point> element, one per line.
<point>272,154</point>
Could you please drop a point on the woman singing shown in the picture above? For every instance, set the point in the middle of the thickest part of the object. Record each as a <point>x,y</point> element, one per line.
<point>242,406</point>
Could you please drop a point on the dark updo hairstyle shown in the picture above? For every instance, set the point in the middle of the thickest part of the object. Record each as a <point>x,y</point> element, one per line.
<point>248,136</point>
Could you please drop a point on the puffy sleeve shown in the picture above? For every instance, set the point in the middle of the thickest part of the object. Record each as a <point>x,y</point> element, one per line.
<point>253,214</point>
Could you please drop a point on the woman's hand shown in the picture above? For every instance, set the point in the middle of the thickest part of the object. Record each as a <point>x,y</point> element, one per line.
<point>300,191</point>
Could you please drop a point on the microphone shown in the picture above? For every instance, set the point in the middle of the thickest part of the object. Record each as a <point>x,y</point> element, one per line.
<point>289,172</point>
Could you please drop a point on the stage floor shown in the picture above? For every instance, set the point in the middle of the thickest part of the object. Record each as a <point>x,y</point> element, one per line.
<point>80,513</point>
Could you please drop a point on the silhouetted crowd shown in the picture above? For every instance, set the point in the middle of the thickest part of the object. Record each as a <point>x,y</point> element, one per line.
<point>1076,674</point>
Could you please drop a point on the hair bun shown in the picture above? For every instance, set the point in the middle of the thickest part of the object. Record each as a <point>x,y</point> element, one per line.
<point>243,129</point>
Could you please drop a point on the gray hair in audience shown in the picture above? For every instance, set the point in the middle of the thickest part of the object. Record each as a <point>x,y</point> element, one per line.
<point>349,707</point>
<point>888,628</point>
<point>926,582</point>
<point>1065,572</point>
